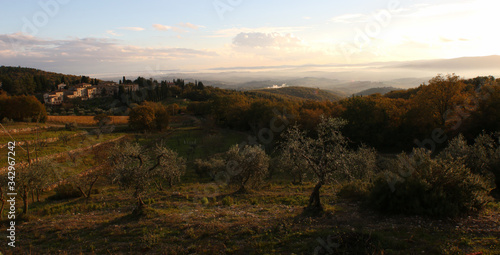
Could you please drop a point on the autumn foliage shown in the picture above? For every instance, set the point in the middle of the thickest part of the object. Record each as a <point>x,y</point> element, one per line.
<point>149,116</point>
<point>22,108</point>
<point>391,121</point>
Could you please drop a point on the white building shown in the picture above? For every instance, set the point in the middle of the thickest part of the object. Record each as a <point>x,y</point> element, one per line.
<point>54,98</point>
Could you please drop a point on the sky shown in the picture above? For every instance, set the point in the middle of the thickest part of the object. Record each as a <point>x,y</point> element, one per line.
<point>119,36</point>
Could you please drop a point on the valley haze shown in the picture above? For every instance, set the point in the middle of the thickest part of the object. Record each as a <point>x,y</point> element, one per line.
<point>347,79</point>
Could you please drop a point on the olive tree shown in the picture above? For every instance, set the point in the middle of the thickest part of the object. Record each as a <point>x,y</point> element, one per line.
<point>171,169</point>
<point>295,166</point>
<point>326,156</point>
<point>104,124</point>
<point>34,178</point>
<point>86,181</point>
<point>247,166</point>
<point>135,169</point>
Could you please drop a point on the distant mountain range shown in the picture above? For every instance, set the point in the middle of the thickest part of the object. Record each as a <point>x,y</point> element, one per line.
<point>341,80</point>
<point>456,64</point>
<point>338,87</point>
<point>346,78</point>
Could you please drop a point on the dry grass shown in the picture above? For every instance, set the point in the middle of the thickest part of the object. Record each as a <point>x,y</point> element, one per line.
<point>256,223</point>
<point>85,120</point>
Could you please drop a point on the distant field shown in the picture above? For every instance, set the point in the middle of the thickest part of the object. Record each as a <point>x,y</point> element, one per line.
<point>85,120</point>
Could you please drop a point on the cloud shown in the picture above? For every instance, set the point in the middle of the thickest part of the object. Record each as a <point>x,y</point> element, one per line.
<point>161,27</point>
<point>189,25</point>
<point>131,28</point>
<point>179,28</point>
<point>232,32</point>
<point>445,40</point>
<point>264,40</point>
<point>28,50</point>
<point>19,40</point>
<point>111,32</point>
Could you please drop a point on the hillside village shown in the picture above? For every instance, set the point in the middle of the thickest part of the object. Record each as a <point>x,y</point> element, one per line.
<point>85,91</point>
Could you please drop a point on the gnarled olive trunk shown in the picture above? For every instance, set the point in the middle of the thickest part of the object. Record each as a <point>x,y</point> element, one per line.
<point>314,200</point>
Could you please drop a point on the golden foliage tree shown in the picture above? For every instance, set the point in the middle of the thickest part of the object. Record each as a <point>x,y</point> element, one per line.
<point>149,116</point>
<point>442,95</point>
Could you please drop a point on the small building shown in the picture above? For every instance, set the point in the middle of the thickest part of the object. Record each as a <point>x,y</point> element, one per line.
<point>78,91</point>
<point>106,89</point>
<point>91,92</point>
<point>130,87</point>
<point>84,85</point>
<point>54,98</point>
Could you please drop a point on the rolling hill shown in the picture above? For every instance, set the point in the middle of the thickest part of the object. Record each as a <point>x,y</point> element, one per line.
<point>301,93</point>
<point>24,80</point>
<point>372,91</point>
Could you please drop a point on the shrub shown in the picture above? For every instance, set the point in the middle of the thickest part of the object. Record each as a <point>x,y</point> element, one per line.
<point>482,157</point>
<point>71,126</point>
<point>357,190</point>
<point>427,186</point>
<point>362,162</point>
<point>227,201</point>
<point>6,120</point>
<point>65,191</point>
<point>204,201</point>
<point>210,167</point>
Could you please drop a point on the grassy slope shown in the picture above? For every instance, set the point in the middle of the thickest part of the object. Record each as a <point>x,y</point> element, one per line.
<point>55,147</point>
<point>263,222</point>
